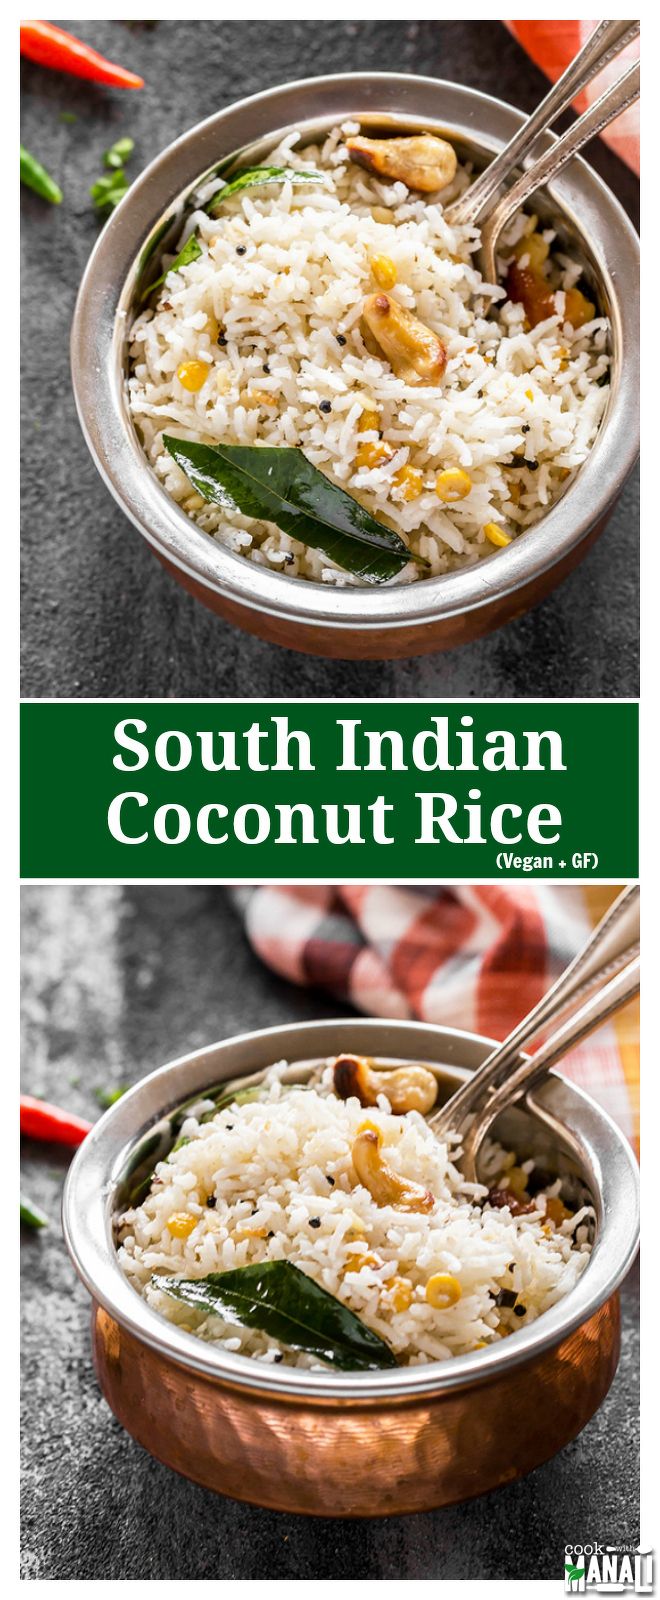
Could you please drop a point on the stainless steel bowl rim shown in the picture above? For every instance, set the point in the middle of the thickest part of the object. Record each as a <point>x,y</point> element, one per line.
<point>94,1171</point>
<point>99,387</point>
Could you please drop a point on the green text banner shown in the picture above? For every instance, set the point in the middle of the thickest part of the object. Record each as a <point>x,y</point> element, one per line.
<point>399,790</point>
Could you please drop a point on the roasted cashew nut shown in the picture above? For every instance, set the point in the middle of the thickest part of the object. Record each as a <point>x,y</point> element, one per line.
<point>414,352</point>
<point>384,1185</point>
<point>411,1088</point>
<point>421,162</point>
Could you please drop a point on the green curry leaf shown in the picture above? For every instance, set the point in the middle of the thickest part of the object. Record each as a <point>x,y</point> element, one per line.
<point>191,251</point>
<point>280,485</point>
<point>255,177</point>
<point>282,1301</point>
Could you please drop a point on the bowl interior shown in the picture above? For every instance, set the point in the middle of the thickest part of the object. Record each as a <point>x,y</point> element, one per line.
<point>476,152</point>
<point>528,1133</point>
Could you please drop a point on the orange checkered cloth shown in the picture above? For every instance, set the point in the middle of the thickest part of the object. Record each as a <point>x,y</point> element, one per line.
<point>475,957</point>
<point>553,44</point>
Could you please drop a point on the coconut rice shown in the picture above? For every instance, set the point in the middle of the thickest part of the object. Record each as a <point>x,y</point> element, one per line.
<point>273,1180</point>
<point>273,308</point>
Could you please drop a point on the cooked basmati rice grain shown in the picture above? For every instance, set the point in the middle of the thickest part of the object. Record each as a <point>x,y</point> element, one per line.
<point>274,1180</point>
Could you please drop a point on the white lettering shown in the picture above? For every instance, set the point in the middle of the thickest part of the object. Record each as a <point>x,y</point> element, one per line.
<point>284,736</point>
<point>227,762</point>
<point>124,739</point>
<point>115,821</point>
<point>204,824</point>
<point>182,822</point>
<point>354,833</point>
<point>307,832</point>
<point>431,818</point>
<point>541,817</point>
<point>162,751</point>
<point>241,823</point>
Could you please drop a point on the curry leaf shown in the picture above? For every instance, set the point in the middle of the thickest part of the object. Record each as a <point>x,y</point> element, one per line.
<point>237,1097</point>
<point>191,251</point>
<point>183,1139</point>
<point>285,1303</point>
<point>253,177</point>
<point>282,486</point>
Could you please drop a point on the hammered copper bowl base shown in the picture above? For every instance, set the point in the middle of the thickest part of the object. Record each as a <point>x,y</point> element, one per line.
<point>357,1459</point>
<point>352,1444</point>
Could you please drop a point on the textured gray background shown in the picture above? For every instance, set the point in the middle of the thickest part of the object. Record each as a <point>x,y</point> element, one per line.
<point>99,616</point>
<point>116,981</point>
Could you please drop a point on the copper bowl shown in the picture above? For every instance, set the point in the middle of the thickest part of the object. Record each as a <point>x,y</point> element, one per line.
<point>355,1444</point>
<point>318,618</point>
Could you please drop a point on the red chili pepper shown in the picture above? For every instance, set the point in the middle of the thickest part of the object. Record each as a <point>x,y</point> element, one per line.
<point>39,1120</point>
<point>52,47</point>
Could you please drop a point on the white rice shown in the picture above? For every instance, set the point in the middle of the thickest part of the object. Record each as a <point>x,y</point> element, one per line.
<point>280,1174</point>
<point>508,396</point>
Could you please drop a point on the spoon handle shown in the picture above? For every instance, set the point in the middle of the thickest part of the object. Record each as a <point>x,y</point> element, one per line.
<point>603,45</point>
<point>616,99</point>
<point>616,993</point>
<point>612,943</point>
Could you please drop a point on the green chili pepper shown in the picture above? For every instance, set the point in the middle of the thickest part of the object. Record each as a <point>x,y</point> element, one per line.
<point>118,153</point>
<point>36,177</point>
<point>31,1216</point>
<point>109,190</point>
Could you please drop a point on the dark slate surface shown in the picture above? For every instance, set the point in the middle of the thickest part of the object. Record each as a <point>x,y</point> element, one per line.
<point>113,986</point>
<point>99,616</point>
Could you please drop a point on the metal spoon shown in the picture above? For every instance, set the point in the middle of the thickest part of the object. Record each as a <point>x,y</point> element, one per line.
<point>615,994</point>
<point>483,204</point>
<point>602,977</point>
